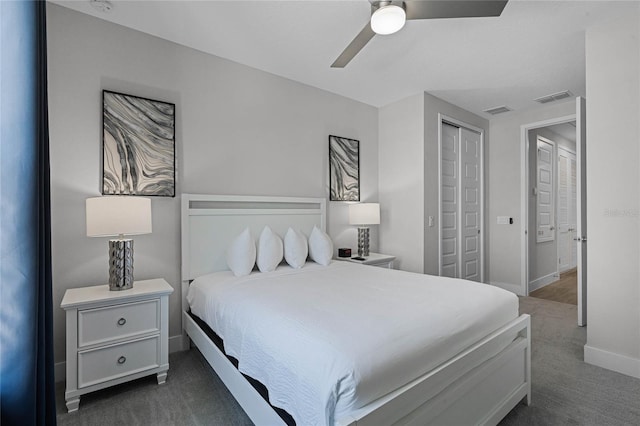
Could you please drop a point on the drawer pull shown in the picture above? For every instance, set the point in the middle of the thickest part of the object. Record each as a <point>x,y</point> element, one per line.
<point>122,321</point>
<point>122,360</point>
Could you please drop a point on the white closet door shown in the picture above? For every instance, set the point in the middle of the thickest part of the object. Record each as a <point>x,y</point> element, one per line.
<point>470,213</point>
<point>545,202</point>
<point>566,209</point>
<point>573,214</point>
<point>449,191</point>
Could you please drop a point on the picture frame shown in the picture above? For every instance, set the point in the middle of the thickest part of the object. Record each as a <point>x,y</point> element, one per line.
<point>138,145</point>
<point>344,169</point>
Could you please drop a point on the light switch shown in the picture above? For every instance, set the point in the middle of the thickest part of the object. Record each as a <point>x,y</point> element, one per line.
<point>431,221</point>
<point>503,220</point>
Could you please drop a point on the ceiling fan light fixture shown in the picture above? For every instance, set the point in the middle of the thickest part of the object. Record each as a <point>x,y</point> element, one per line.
<point>388,19</point>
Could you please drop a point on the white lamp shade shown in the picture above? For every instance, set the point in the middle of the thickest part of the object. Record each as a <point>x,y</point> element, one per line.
<point>364,214</point>
<point>388,20</point>
<point>124,215</point>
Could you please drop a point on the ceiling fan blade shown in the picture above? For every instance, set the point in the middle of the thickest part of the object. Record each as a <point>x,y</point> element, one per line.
<point>434,9</point>
<point>354,47</point>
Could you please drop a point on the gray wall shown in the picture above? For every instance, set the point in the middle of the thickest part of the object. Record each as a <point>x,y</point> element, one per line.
<point>504,176</point>
<point>408,159</point>
<point>613,195</point>
<point>238,131</point>
<point>432,107</point>
<point>401,165</point>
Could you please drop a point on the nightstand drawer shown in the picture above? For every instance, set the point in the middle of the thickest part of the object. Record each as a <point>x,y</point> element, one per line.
<point>386,265</point>
<point>374,259</point>
<point>111,362</point>
<point>101,325</point>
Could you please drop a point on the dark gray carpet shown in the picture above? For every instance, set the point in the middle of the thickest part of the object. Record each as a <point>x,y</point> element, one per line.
<point>192,395</point>
<point>566,391</point>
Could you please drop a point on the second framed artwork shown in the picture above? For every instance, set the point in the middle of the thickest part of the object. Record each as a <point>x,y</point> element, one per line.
<point>138,146</point>
<point>344,169</point>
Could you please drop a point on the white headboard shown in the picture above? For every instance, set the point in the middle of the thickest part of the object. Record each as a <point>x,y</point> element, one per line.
<point>211,222</point>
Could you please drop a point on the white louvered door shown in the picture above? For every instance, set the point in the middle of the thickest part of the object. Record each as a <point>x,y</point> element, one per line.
<point>567,211</point>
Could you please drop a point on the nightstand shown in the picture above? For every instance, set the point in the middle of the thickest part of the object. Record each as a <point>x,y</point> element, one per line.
<point>374,259</point>
<point>115,336</point>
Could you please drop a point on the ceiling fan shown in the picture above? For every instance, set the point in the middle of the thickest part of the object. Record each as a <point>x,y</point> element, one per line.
<point>388,17</point>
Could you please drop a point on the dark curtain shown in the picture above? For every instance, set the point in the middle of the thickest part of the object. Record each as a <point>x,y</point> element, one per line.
<point>26,331</point>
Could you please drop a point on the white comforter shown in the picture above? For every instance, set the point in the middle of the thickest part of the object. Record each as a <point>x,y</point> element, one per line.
<point>328,340</point>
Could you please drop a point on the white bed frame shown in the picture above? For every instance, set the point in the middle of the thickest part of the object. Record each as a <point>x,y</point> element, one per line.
<point>489,388</point>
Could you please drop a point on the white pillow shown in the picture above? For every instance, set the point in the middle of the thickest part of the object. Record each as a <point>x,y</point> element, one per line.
<point>320,247</point>
<point>269,250</point>
<point>241,254</point>
<point>295,248</point>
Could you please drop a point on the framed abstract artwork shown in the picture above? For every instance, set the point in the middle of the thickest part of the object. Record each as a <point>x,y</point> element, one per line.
<point>344,169</point>
<point>138,141</point>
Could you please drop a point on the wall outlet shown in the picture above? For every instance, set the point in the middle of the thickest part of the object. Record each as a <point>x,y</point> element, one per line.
<point>431,221</point>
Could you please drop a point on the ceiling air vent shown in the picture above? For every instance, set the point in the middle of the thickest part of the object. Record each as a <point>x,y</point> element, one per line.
<point>554,97</point>
<point>497,110</point>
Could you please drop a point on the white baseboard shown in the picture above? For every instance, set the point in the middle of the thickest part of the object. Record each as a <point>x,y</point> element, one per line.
<point>513,288</point>
<point>60,368</point>
<point>612,361</point>
<point>562,271</point>
<point>543,281</point>
<point>175,343</point>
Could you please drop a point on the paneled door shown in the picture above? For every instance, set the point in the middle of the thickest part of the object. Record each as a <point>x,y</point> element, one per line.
<point>461,219</point>
<point>545,200</point>
<point>449,165</point>
<point>567,211</point>
<point>470,212</point>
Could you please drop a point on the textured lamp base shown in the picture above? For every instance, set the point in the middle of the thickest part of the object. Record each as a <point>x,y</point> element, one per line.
<point>363,242</point>
<point>120,264</point>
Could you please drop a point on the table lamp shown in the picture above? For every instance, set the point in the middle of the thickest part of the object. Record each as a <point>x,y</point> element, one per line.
<point>119,216</point>
<point>363,214</point>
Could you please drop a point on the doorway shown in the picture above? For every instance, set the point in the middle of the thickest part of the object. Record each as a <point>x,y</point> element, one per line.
<point>552,213</point>
<point>554,209</point>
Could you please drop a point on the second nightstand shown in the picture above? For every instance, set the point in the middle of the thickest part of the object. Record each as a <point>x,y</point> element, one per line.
<point>374,259</point>
<point>115,336</point>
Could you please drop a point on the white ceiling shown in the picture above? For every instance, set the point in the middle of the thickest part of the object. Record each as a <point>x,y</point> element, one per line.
<point>535,48</point>
<point>566,130</point>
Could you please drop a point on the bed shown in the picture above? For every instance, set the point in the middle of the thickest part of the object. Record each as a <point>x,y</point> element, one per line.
<point>479,371</point>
